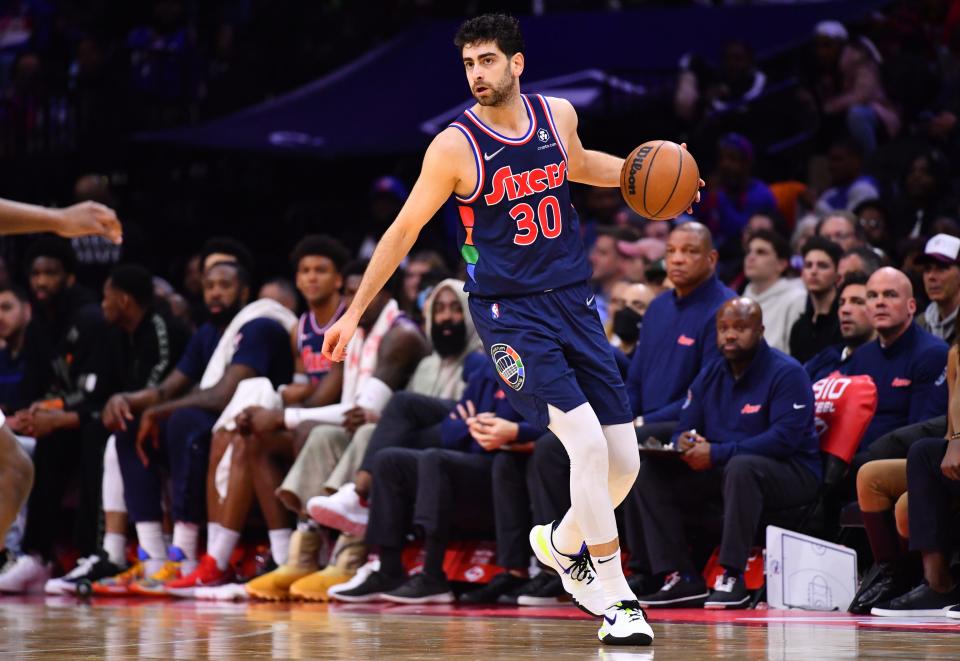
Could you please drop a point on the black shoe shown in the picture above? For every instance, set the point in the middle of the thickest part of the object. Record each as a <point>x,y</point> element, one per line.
<point>728,592</point>
<point>642,583</point>
<point>677,592</point>
<point>878,586</point>
<point>921,601</point>
<point>372,589</point>
<point>88,570</point>
<point>500,585</point>
<point>546,589</point>
<point>422,589</point>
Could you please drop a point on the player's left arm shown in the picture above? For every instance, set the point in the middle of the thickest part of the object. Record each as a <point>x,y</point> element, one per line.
<point>585,166</point>
<point>83,219</point>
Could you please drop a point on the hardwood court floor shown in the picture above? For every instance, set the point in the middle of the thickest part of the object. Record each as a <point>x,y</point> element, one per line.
<point>63,628</point>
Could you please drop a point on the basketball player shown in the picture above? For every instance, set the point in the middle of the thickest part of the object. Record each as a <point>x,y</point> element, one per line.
<point>84,219</point>
<point>507,160</point>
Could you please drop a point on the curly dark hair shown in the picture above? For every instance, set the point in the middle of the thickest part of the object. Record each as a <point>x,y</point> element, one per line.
<point>320,245</point>
<point>501,28</point>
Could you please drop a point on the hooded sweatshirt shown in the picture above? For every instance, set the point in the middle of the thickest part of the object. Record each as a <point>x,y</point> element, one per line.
<point>782,304</point>
<point>444,377</point>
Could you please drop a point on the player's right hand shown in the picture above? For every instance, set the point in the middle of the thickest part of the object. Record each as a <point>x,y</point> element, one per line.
<point>337,337</point>
<point>90,219</point>
<point>116,413</point>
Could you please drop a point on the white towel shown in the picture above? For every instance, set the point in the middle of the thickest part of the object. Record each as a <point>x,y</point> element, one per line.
<point>362,353</point>
<point>223,354</point>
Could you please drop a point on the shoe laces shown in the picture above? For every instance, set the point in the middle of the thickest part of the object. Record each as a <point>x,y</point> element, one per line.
<point>582,567</point>
<point>632,610</point>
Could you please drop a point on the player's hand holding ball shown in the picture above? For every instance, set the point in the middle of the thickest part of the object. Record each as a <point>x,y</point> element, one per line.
<point>660,180</point>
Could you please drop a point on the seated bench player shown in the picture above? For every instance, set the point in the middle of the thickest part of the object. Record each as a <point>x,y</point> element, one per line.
<point>747,436</point>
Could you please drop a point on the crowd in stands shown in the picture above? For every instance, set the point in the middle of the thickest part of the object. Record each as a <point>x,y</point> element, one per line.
<point>182,424</point>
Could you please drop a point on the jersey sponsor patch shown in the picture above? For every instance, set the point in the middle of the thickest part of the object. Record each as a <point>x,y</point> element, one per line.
<point>508,364</point>
<point>544,135</point>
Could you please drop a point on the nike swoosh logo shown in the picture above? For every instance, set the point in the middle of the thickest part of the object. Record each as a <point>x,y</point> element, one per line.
<point>590,300</point>
<point>797,407</point>
<point>603,561</point>
<point>610,620</point>
<point>487,156</point>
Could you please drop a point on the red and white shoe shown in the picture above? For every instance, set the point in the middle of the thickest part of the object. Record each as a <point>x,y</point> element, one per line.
<point>207,574</point>
<point>342,511</point>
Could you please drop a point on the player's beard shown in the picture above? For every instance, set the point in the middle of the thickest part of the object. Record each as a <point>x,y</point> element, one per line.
<point>501,93</point>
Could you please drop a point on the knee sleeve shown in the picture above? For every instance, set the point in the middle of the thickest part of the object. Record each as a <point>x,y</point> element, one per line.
<point>113,500</point>
<point>623,457</point>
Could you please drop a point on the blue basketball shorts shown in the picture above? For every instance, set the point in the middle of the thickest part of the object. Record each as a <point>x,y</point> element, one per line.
<point>550,348</point>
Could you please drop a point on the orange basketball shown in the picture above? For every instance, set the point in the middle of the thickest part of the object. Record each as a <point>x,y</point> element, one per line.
<point>659,180</point>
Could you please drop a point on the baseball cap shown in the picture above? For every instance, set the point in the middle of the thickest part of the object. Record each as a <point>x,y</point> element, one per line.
<point>941,248</point>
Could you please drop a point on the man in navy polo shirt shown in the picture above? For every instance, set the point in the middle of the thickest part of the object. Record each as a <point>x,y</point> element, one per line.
<point>748,436</point>
<point>678,337</point>
<point>907,363</point>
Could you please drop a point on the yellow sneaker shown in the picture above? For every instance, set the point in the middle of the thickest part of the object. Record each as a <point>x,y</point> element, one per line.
<point>301,561</point>
<point>119,585</point>
<point>348,555</point>
<point>154,584</point>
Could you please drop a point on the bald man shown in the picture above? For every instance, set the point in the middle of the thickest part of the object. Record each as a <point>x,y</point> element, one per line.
<point>907,363</point>
<point>748,437</point>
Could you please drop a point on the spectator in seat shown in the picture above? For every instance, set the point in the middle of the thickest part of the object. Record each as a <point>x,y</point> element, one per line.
<point>941,281</point>
<point>733,194</point>
<point>860,260</point>
<point>856,328</point>
<point>747,435</point>
<point>431,489</point>
<point>849,187</point>
<point>907,364</point>
<point>14,318</point>
<point>819,326</point>
<point>842,228</point>
<point>782,299</point>
<point>608,264</point>
<point>630,304</point>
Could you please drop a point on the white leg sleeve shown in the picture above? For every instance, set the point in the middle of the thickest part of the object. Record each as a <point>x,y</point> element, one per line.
<point>112,480</point>
<point>624,459</point>
<point>591,509</point>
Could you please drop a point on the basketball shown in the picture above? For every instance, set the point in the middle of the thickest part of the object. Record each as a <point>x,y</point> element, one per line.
<point>659,180</point>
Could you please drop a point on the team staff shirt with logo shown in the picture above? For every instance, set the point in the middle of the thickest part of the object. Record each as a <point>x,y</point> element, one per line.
<point>310,342</point>
<point>768,411</point>
<point>677,339</point>
<point>527,274</point>
<point>911,380</point>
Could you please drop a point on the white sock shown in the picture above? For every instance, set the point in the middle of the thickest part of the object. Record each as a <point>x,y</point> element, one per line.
<point>614,583</point>
<point>223,546</point>
<point>591,509</point>
<point>185,538</point>
<point>213,529</point>
<point>150,537</point>
<point>280,544</point>
<point>115,544</point>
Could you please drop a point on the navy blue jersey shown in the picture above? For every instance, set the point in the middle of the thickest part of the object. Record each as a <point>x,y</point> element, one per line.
<point>519,231</point>
<point>310,343</point>
<point>199,350</point>
<point>264,346</point>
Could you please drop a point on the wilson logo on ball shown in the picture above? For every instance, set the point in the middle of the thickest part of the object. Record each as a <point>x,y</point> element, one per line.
<point>635,166</point>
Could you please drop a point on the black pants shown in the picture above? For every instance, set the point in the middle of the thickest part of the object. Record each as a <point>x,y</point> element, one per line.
<point>424,489</point>
<point>58,459</point>
<point>932,497</point>
<point>511,507</point>
<point>896,444</point>
<point>747,484</point>
<point>408,420</point>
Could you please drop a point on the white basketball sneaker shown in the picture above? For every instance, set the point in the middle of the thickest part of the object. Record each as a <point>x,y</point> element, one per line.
<point>625,623</point>
<point>342,511</point>
<point>26,574</point>
<point>576,571</point>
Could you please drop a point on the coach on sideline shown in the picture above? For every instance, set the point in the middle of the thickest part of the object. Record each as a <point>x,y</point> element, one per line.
<point>748,436</point>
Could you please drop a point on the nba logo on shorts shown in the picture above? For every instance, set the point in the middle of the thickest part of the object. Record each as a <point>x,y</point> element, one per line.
<point>495,310</point>
<point>508,364</point>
